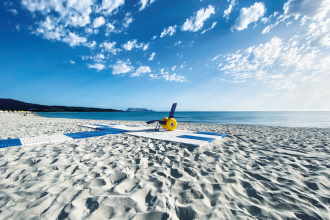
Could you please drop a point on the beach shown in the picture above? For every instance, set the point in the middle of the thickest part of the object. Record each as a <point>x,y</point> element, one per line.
<point>257,172</point>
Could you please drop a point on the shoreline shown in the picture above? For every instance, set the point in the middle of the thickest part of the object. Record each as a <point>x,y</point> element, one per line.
<point>259,172</point>
<point>193,123</point>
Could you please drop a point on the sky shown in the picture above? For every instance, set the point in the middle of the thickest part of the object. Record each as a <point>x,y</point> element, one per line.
<point>212,55</point>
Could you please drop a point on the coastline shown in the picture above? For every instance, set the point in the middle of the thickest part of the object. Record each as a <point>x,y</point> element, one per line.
<point>259,172</point>
<point>274,119</point>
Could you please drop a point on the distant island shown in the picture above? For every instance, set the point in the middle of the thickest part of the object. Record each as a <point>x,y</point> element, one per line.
<point>138,110</point>
<point>15,105</point>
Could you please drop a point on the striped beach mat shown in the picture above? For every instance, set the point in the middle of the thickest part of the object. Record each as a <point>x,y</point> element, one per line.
<point>178,136</point>
<point>10,143</point>
<point>59,138</point>
<point>199,138</point>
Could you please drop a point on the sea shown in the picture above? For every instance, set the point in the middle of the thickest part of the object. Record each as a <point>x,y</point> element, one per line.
<point>320,119</point>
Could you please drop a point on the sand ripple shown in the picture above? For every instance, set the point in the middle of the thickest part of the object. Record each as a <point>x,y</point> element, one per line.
<point>258,173</point>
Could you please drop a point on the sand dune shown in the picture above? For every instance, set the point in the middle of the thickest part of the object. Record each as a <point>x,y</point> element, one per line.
<point>257,173</point>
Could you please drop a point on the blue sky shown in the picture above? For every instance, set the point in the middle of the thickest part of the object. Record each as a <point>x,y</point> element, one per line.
<point>207,55</point>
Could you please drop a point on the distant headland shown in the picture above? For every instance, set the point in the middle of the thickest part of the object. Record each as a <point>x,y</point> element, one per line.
<point>138,110</point>
<point>15,105</point>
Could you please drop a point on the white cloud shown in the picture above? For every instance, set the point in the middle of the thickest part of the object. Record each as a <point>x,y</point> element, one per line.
<point>132,44</point>
<point>315,18</point>
<point>110,46</point>
<point>127,20</point>
<point>90,30</point>
<point>267,29</point>
<point>72,13</point>
<point>314,15</point>
<point>121,67</point>
<point>141,70</point>
<point>325,41</point>
<point>230,8</point>
<point>145,47</point>
<point>50,30</point>
<point>97,66</point>
<point>253,62</point>
<point>169,31</point>
<point>296,67</point>
<point>59,18</point>
<point>172,76</point>
<point>210,28</point>
<point>270,21</point>
<point>152,56</point>
<point>249,15</point>
<point>317,9</point>
<point>74,40</point>
<point>72,62</point>
<point>110,5</point>
<point>98,58</point>
<point>98,22</point>
<point>168,76</point>
<point>145,3</point>
<point>110,28</point>
<point>196,22</point>
<point>91,44</point>
<point>78,12</point>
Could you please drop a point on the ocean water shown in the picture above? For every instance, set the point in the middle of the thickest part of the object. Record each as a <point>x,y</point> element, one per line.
<point>286,119</point>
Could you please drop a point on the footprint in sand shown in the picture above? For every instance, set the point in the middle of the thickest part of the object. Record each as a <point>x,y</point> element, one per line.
<point>92,204</point>
<point>99,182</point>
<point>117,177</point>
<point>151,215</point>
<point>176,173</point>
<point>185,213</point>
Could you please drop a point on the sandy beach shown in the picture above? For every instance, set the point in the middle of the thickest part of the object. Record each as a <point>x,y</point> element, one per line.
<point>258,172</point>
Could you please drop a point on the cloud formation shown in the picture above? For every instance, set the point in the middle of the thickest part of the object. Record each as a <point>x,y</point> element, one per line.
<point>73,13</point>
<point>98,22</point>
<point>196,22</point>
<point>92,24</point>
<point>294,67</point>
<point>74,40</point>
<point>230,8</point>
<point>169,31</point>
<point>121,67</point>
<point>152,56</point>
<point>141,70</point>
<point>110,47</point>
<point>283,64</point>
<point>63,20</point>
<point>145,3</point>
<point>249,15</point>
<point>109,6</point>
<point>97,66</point>
<point>303,11</point>
<point>134,44</point>
<point>210,28</point>
<point>166,75</point>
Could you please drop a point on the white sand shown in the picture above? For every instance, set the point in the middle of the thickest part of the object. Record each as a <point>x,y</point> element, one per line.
<point>258,173</point>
